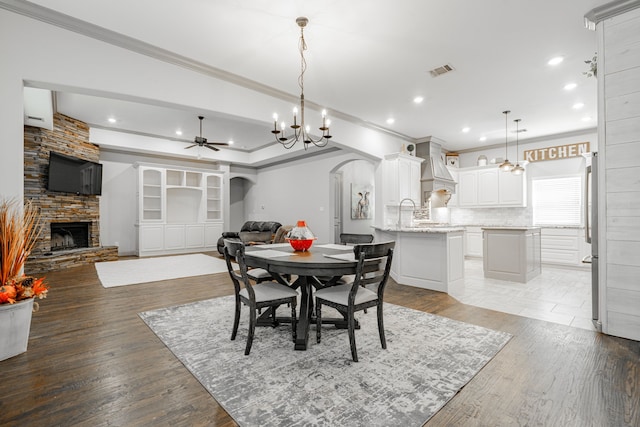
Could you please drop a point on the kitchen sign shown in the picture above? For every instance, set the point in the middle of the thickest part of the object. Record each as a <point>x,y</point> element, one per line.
<point>557,152</point>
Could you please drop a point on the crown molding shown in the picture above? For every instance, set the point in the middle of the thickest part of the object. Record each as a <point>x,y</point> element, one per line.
<point>69,23</point>
<point>607,11</point>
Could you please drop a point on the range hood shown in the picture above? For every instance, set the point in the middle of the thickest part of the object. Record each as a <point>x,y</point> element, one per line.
<point>435,175</point>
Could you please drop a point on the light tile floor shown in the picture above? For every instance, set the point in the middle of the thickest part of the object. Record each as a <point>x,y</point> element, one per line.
<point>557,295</point>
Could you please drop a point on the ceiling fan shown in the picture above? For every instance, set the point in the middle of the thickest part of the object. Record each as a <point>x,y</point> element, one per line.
<point>202,142</point>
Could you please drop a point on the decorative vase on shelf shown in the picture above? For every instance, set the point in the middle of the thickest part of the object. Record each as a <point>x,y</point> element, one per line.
<point>300,237</point>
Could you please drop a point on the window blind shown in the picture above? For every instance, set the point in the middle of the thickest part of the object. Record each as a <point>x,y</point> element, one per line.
<point>557,201</point>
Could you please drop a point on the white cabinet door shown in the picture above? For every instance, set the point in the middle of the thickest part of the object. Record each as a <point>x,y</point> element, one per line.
<point>473,244</point>
<point>467,188</point>
<point>401,179</point>
<point>488,187</point>
<point>212,233</point>
<point>511,189</point>
<point>174,237</point>
<point>151,238</point>
<point>194,235</point>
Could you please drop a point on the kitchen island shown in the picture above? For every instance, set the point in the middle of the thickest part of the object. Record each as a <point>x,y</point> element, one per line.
<point>511,253</point>
<point>426,257</point>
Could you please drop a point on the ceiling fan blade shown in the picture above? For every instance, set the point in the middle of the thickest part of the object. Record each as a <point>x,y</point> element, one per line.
<point>190,146</point>
<point>225,144</point>
<point>212,148</point>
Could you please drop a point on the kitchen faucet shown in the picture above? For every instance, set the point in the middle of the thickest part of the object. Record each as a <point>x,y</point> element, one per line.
<point>400,210</point>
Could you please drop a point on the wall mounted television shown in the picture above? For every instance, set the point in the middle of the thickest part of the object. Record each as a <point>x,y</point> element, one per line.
<point>73,175</point>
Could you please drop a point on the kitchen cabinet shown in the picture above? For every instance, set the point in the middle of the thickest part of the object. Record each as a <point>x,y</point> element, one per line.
<point>401,180</point>
<point>473,242</point>
<point>488,187</point>
<point>179,210</point>
<point>564,247</point>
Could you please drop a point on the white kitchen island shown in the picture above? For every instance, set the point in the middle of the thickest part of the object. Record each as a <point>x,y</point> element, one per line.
<point>426,257</point>
<point>511,253</point>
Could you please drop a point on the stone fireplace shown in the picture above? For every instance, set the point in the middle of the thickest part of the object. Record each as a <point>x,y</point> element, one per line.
<point>69,235</point>
<point>70,222</point>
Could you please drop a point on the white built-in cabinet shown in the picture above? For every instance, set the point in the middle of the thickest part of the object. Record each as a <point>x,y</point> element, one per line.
<point>401,180</point>
<point>179,210</point>
<point>565,246</point>
<point>488,187</point>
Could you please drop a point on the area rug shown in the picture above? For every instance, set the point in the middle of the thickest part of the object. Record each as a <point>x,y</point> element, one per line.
<point>428,360</point>
<point>144,270</point>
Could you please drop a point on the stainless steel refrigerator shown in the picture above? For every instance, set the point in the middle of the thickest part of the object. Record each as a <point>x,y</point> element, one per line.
<point>591,233</point>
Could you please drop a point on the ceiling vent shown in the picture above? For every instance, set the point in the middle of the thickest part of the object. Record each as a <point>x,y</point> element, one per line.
<point>443,69</point>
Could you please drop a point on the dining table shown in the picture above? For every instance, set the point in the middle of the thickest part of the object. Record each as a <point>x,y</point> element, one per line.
<point>320,266</point>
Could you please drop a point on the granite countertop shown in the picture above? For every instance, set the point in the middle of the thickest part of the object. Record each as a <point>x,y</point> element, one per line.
<point>438,229</point>
<point>579,227</point>
<point>523,228</point>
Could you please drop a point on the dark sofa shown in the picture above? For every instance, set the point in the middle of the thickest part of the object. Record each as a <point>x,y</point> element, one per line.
<point>252,232</point>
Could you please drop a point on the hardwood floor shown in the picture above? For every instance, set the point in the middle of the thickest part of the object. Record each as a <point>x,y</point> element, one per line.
<point>92,362</point>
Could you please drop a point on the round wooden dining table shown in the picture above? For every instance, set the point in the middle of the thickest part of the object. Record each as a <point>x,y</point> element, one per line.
<point>328,261</point>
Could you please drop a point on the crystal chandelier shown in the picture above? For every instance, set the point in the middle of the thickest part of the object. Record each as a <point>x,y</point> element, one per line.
<point>506,166</point>
<point>517,169</point>
<point>300,129</point>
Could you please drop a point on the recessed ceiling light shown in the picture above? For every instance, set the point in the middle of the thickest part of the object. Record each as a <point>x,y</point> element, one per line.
<point>418,99</point>
<point>483,138</point>
<point>111,119</point>
<point>230,142</point>
<point>179,132</point>
<point>570,86</point>
<point>577,105</point>
<point>391,121</point>
<point>466,129</point>
<point>556,60</point>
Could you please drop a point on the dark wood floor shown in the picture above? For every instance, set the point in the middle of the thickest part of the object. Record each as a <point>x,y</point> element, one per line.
<point>92,362</point>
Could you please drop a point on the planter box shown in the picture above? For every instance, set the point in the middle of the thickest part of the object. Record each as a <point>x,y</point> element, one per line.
<point>15,323</point>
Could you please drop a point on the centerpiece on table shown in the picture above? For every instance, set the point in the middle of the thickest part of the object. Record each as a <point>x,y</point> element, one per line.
<point>300,237</point>
<point>19,229</point>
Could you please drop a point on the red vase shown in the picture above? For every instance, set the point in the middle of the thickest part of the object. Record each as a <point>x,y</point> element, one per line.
<point>300,237</point>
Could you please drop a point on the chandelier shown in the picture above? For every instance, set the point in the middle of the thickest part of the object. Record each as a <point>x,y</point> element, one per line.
<point>506,166</point>
<point>301,131</point>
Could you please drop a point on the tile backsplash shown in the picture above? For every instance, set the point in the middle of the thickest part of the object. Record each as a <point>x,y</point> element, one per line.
<point>491,216</point>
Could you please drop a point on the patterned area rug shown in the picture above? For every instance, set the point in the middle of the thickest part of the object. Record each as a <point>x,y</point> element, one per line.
<point>145,270</point>
<point>428,360</point>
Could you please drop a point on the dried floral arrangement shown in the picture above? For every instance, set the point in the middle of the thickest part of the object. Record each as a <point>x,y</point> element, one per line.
<point>19,228</point>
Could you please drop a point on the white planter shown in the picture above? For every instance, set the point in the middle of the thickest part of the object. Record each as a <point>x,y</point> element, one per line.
<point>15,323</point>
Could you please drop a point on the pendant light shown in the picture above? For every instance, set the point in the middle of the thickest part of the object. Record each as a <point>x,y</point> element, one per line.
<point>517,169</point>
<point>506,166</point>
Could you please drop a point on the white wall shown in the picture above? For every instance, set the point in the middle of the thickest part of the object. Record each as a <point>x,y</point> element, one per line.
<point>297,191</point>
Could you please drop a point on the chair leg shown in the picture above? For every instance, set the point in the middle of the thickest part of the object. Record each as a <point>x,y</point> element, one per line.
<point>318,320</point>
<point>252,330</point>
<point>383,340</point>
<point>236,320</point>
<point>352,335</point>
<point>294,322</point>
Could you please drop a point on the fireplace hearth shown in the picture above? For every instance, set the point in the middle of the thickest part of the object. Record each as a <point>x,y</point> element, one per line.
<point>69,235</point>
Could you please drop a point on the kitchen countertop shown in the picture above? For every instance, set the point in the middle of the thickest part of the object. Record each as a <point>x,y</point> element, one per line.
<point>437,229</point>
<point>524,228</point>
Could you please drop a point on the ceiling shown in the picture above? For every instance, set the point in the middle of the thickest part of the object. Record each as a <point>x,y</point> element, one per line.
<point>366,59</point>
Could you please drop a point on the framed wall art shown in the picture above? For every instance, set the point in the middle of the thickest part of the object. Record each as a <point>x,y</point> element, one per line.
<point>361,205</point>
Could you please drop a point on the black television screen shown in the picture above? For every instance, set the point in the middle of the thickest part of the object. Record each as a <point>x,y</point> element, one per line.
<point>73,175</point>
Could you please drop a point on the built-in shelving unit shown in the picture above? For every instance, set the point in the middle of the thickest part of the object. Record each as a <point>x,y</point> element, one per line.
<point>180,210</point>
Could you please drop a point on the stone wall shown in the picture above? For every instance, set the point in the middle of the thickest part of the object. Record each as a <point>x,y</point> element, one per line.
<point>69,137</point>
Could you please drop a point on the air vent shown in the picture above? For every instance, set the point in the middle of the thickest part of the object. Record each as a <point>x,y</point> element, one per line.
<point>443,69</point>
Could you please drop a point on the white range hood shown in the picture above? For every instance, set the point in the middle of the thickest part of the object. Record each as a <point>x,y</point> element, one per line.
<point>435,175</point>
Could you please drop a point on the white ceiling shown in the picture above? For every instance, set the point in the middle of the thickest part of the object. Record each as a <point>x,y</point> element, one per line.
<point>367,59</point>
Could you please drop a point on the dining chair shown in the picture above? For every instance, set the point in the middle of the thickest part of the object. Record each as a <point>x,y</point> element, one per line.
<point>261,295</point>
<point>353,297</point>
<point>355,238</point>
